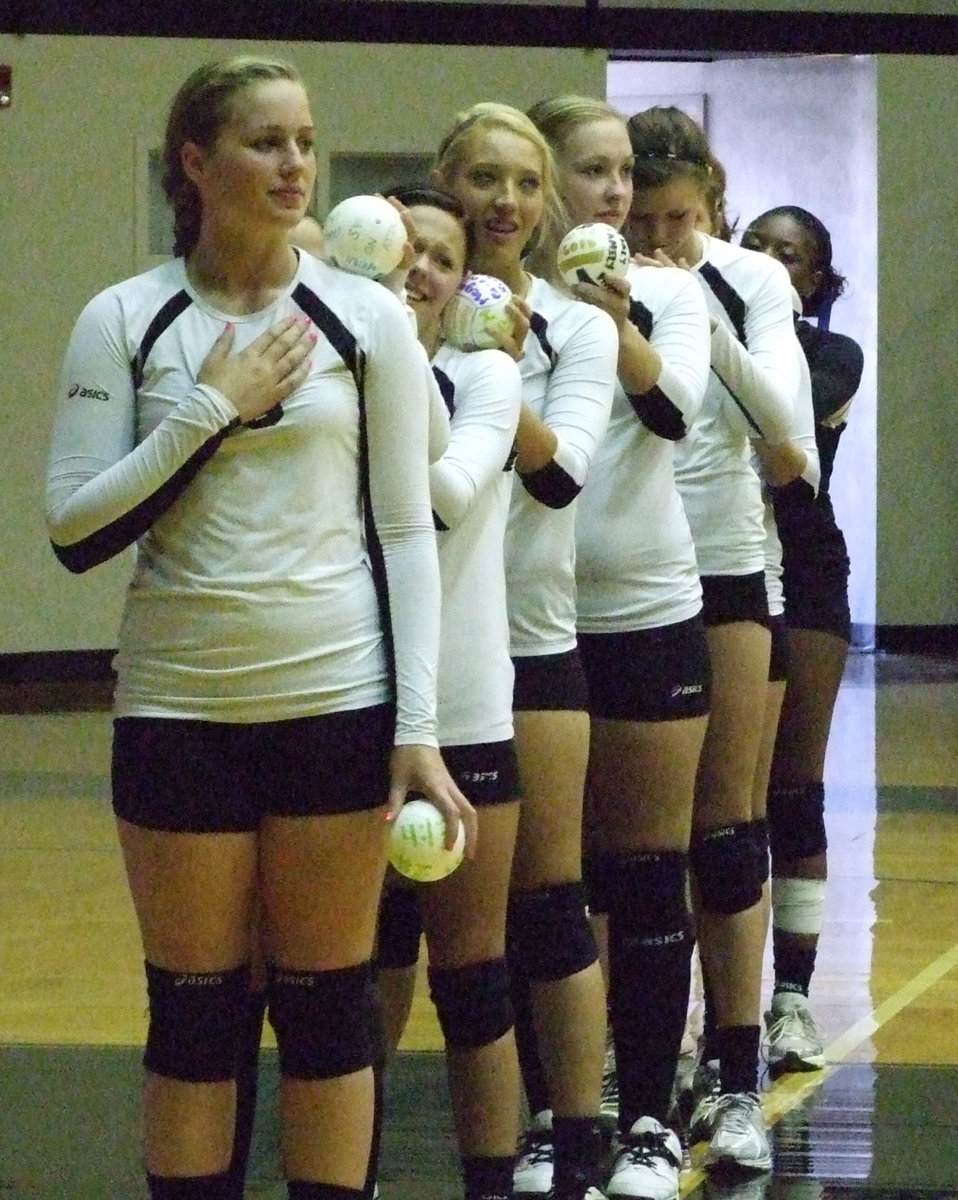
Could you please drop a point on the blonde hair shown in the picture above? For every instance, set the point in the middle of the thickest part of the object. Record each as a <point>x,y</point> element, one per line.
<point>557,118</point>
<point>470,124</point>
<point>198,112</point>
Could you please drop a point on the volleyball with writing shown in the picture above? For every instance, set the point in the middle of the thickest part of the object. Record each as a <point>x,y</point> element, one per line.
<point>476,317</point>
<point>417,843</point>
<point>364,235</point>
<point>588,253</point>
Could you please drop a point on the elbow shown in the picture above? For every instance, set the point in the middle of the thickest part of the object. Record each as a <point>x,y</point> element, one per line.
<point>551,486</point>
<point>76,558</point>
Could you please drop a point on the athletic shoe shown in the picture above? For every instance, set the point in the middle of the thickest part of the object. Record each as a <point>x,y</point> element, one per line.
<point>700,1101</point>
<point>739,1135</point>
<point>647,1163</point>
<point>793,1040</point>
<point>533,1171</point>
<point>609,1104</point>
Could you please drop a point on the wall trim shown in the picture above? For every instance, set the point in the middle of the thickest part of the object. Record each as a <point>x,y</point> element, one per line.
<point>934,640</point>
<point>587,25</point>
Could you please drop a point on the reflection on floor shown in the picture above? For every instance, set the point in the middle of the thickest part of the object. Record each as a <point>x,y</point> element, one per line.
<point>881,1121</point>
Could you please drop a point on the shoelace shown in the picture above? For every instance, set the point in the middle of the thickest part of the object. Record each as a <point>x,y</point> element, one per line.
<point>799,1017</point>
<point>644,1148</point>
<point>735,1113</point>
<point>536,1148</point>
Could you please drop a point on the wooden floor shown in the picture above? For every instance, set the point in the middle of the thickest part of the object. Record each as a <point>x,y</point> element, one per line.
<point>882,1118</point>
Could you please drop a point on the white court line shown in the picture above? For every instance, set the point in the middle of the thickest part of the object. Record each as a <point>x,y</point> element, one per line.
<point>790,1090</point>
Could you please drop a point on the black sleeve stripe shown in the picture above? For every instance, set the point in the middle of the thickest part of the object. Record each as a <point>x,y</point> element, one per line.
<point>550,485</point>
<point>640,317</point>
<point>539,326</point>
<point>728,297</point>
<point>741,407</point>
<point>162,321</point>
<point>344,343</point>
<point>447,390</point>
<point>326,321</point>
<point>658,414</point>
<point>109,541</point>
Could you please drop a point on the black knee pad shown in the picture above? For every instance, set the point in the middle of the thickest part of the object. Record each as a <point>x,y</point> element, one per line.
<point>324,1021</point>
<point>726,869</point>
<point>796,821</point>
<point>648,896</point>
<point>549,933</point>
<point>196,1023</point>
<point>400,929</point>
<point>472,1002</point>
<point>759,828</point>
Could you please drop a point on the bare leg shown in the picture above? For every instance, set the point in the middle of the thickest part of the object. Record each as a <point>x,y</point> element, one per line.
<point>322,878</point>
<point>193,896</point>
<point>569,1013</point>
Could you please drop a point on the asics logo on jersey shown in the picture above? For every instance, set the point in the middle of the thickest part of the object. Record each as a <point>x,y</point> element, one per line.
<point>87,393</point>
<point>685,689</point>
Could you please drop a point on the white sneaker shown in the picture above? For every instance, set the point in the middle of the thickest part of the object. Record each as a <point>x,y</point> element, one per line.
<point>703,1097</point>
<point>609,1104</point>
<point>739,1134</point>
<point>793,1039</point>
<point>532,1175</point>
<point>647,1163</point>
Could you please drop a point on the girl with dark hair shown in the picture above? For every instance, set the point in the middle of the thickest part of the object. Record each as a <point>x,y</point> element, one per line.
<point>501,168</point>
<point>232,414</point>
<point>464,915</point>
<point>754,379</point>
<point>815,582</point>
<point>639,602</point>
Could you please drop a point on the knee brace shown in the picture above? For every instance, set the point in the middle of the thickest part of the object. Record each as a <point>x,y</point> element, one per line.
<point>549,933</point>
<point>796,822</point>
<point>399,930</point>
<point>759,828</point>
<point>324,1021</point>
<point>726,869</point>
<point>472,1002</point>
<point>648,897</point>
<point>196,1023</point>
<point>798,905</point>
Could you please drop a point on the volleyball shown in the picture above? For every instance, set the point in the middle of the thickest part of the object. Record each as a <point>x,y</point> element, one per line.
<point>417,843</point>
<point>476,317</point>
<point>588,253</point>
<point>364,235</point>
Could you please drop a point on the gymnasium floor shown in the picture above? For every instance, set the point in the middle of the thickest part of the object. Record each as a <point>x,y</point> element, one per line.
<point>881,1121</point>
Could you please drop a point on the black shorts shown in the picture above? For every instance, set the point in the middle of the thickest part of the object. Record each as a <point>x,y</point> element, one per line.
<point>486,772</point>
<point>818,600</point>
<point>650,674</point>
<point>815,571</point>
<point>778,662</point>
<point>216,777</point>
<point>727,599</point>
<point>550,683</point>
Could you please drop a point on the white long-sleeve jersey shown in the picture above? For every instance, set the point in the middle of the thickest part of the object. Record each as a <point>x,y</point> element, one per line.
<point>751,392</point>
<point>635,558</point>
<point>471,490</point>
<point>568,375</point>
<point>803,434</point>
<point>286,568</point>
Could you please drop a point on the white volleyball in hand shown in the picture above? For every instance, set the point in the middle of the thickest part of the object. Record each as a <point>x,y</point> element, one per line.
<point>588,253</point>
<point>476,317</point>
<point>364,235</point>
<point>417,843</point>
